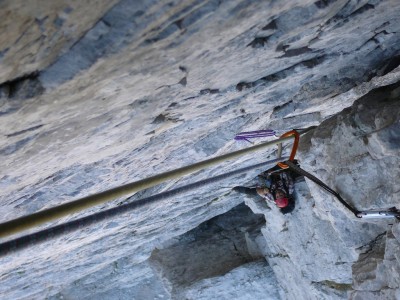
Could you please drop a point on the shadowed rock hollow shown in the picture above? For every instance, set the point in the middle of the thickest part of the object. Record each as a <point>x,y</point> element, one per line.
<point>97,94</point>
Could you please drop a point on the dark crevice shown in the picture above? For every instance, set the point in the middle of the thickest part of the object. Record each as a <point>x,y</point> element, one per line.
<point>261,41</point>
<point>179,23</point>
<point>151,132</point>
<point>118,27</point>
<point>105,22</point>
<point>183,69</point>
<point>173,104</point>
<point>209,91</point>
<point>296,52</point>
<point>24,87</point>
<point>159,119</point>
<point>270,26</point>
<point>372,39</point>
<point>3,52</point>
<point>24,131</point>
<point>41,22</point>
<point>258,42</point>
<point>163,34</point>
<point>346,13</point>
<point>281,107</point>
<point>23,34</point>
<point>310,63</point>
<point>214,248</point>
<point>240,9</point>
<point>244,85</point>
<point>281,47</point>
<point>10,149</point>
<point>324,3</point>
<point>183,81</point>
<point>362,9</point>
<point>199,13</point>
<point>278,255</point>
<point>68,10</point>
<point>390,65</point>
<point>382,26</point>
<point>182,20</point>
<point>189,98</point>
<point>8,111</point>
<point>334,285</point>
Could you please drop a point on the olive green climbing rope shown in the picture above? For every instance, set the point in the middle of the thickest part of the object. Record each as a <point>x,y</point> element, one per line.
<point>27,222</point>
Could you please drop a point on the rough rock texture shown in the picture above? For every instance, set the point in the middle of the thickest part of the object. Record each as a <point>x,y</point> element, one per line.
<point>33,36</point>
<point>321,231</point>
<point>190,263</point>
<point>101,93</point>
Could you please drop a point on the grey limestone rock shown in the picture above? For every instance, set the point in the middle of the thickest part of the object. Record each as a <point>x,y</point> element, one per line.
<point>97,94</point>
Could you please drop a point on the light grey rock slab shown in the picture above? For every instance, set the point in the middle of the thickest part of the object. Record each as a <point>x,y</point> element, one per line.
<point>33,38</point>
<point>175,92</point>
<point>254,280</point>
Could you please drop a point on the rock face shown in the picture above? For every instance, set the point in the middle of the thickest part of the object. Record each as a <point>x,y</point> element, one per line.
<point>34,36</point>
<point>322,232</point>
<point>189,263</point>
<point>98,94</point>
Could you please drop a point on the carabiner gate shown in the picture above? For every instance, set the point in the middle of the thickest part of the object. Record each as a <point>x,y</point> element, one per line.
<point>294,148</point>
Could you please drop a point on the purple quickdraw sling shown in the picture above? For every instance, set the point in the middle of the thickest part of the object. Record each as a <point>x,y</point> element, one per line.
<point>245,136</point>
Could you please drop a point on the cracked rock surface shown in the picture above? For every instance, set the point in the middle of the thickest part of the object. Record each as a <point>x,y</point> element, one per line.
<point>97,94</point>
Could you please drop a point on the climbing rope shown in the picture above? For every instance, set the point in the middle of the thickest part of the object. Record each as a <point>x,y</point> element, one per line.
<point>300,171</point>
<point>390,213</point>
<point>41,217</point>
<point>62,229</point>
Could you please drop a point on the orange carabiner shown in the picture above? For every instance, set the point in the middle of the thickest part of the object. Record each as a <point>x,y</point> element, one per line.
<point>294,148</point>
